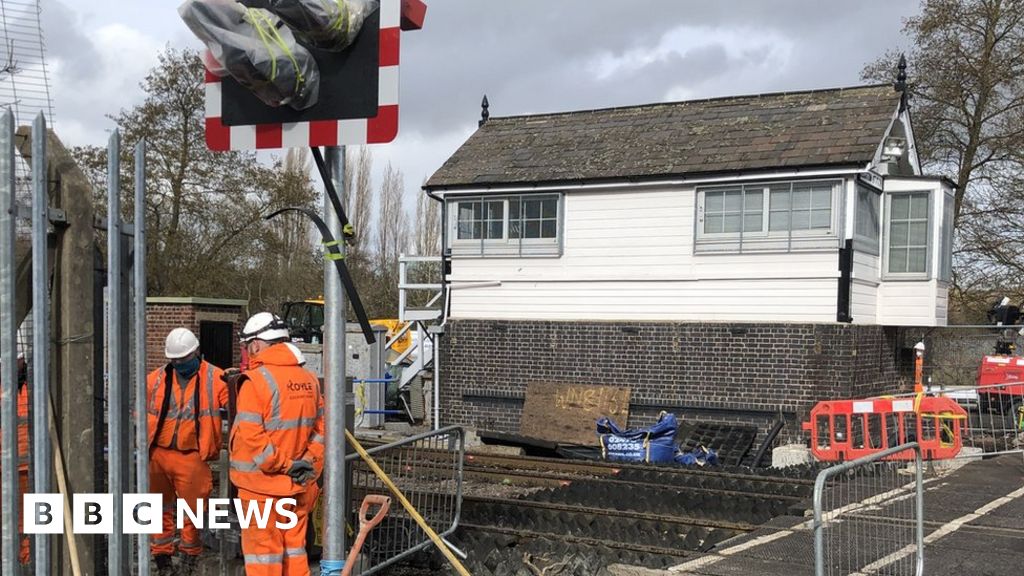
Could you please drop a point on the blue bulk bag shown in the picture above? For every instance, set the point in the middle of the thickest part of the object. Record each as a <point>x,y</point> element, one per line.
<point>653,444</point>
<point>700,456</point>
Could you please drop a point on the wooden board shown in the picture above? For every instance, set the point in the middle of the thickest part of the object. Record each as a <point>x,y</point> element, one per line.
<point>568,412</point>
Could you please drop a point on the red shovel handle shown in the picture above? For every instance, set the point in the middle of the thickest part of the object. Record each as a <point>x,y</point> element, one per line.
<point>380,500</point>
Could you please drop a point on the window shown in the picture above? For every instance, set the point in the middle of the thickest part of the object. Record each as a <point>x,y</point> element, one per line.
<point>946,268</point>
<point>533,217</point>
<point>908,233</point>
<point>867,218</point>
<point>778,216</point>
<point>522,225</point>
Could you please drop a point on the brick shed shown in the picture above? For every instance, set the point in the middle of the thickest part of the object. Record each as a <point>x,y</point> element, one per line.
<point>216,322</point>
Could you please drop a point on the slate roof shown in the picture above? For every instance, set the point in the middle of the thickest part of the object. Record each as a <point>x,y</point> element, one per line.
<point>841,126</point>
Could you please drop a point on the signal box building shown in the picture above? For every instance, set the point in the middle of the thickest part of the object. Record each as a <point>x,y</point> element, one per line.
<point>727,259</point>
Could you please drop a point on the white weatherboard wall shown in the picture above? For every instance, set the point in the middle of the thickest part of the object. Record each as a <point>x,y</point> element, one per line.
<point>628,255</point>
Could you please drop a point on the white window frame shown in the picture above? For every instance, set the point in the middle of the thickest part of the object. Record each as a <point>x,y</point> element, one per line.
<point>863,243</point>
<point>887,234</point>
<point>765,239</point>
<point>946,230</point>
<point>505,246</point>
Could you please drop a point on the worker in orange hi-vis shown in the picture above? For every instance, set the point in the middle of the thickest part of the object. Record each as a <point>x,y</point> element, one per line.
<point>25,551</point>
<point>277,447</point>
<point>184,399</point>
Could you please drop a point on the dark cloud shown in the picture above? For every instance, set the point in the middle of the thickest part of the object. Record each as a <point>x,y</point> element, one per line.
<point>533,56</point>
<point>67,41</point>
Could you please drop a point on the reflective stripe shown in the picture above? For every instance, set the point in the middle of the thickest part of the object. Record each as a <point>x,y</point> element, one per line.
<point>244,466</point>
<point>263,558</point>
<point>316,438</point>
<point>190,545</point>
<point>289,424</point>
<point>293,552</point>
<point>162,541</point>
<point>275,394</point>
<point>209,392</point>
<point>251,417</point>
<point>152,394</point>
<point>267,453</point>
<point>23,420</point>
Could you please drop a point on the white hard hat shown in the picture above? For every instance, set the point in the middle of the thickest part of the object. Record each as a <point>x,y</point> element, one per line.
<point>299,356</point>
<point>180,343</point>
<point>264,326</point>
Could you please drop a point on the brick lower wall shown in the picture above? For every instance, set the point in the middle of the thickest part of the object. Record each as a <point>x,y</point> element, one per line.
<point>713,372</point>
<point>162,318</point>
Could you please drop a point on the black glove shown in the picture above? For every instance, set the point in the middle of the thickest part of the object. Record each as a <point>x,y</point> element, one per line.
<point>301,471</point>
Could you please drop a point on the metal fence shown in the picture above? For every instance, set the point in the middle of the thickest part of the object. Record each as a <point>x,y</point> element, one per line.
<point>427,468</point>
<point>869,515</point>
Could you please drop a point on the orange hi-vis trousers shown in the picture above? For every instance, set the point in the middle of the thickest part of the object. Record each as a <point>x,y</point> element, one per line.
<point>176,475</point>
<point>273,552</point>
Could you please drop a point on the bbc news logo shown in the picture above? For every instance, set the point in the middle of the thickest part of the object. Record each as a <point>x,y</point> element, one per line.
<point>143,513</point>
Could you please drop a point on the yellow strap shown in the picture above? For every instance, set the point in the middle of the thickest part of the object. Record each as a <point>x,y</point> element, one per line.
<point>268,33</point>
<point>407,505</point>
<point>332,256</point>
<point>332,243</point>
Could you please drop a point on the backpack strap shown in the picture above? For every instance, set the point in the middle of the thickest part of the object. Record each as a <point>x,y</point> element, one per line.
<point>168,381</point>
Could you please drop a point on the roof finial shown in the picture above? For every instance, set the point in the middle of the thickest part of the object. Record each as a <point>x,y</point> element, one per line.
<point>900,85</point>
<point>484,114</point>
<point>901,75</point>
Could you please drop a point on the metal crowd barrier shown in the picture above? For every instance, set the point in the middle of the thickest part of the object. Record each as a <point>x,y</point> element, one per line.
<point>869,515</point>
<point>427,468</point>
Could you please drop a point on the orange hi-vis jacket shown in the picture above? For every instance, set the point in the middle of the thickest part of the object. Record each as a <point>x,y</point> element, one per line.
<point>23,425</point>
<point>196,406</point>
<point>280,419</point>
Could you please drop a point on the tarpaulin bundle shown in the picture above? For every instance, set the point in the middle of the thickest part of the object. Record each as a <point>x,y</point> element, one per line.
<point>254,47</point>
<point>325,24</point>
<point>700,456</point>
<point>653,444</point>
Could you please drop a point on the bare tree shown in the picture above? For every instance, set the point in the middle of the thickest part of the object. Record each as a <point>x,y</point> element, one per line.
<point>392,225</point>
<point>428,226</point>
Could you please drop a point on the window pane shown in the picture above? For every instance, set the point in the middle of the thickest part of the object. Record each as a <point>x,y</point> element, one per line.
<point>801,199</point>
<point>550,208</point>
<point>466,231</point>
<point>918,205</point>
<point>801,219</point>
<point>867,214</point>
<point>752,222</point>
<point>821,218</point>
<point>713,201</point>
<point>900,207</point>
<point>898,234</point>
<point>466,211</point>
<point>478,210</point>
<point>496,210</point>
<point>513,209</point>
<point>712,223</point>
<point>821,198</point>
<point>532,208</point>
<point>514,226</point>
<point>918,234</point>
<point>753,201</point>
<point>732,223</point>
<point>532,229</point>
<point>549,229</point>
<point>494,229</point>
<point>779,199</point>
<point>916,260</point>
<point>778,220</point>
<point>897,260</point>
<point>732,201</point>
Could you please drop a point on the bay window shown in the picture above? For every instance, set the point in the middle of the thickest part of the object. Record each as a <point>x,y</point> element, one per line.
<point>908,233</point>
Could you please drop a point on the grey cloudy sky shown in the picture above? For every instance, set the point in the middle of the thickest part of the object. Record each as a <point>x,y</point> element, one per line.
<point>527,55</point>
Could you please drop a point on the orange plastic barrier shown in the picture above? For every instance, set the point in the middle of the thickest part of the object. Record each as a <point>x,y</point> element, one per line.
<point>844,430</point>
